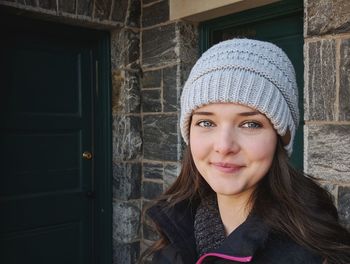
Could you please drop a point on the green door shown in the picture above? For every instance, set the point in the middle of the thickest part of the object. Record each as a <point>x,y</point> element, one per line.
<point>281,24</point>
<point>46,122</point>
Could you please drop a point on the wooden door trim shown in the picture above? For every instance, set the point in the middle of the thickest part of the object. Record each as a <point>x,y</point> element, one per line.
<point>103,151</point>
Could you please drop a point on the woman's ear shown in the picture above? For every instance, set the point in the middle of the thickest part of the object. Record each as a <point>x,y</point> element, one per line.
<point>286,138</point>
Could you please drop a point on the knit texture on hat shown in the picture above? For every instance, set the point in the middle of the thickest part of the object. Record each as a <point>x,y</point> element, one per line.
<point>249,72</point>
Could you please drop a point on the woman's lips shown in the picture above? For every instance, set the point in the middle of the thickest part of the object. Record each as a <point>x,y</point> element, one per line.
<point>226,167</point>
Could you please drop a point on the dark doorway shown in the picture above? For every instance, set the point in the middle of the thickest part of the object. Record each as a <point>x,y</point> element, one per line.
<point>55,137</point>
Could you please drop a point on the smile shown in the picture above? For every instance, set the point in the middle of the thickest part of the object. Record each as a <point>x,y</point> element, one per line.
<point>226,167</point>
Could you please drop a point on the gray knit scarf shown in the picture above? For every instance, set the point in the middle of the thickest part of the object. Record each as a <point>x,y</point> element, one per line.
<point>209,230</point>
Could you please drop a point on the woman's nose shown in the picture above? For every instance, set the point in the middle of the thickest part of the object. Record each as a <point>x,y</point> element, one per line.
<point>225,142</point>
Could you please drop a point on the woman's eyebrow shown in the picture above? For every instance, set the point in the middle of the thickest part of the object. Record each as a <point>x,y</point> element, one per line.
<point>249,113</point>
<point>203,113</point>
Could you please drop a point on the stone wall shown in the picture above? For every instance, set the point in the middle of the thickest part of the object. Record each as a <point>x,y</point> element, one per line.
<point>127,133</point>
<point>151,58</point>
<point>88,13</point>
<point>327,98</point>
<point>168,51</point>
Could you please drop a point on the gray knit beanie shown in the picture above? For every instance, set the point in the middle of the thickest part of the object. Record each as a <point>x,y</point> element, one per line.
<point>249,72</point>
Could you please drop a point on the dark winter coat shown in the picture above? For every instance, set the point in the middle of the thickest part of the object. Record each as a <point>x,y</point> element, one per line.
<point>252,242</point>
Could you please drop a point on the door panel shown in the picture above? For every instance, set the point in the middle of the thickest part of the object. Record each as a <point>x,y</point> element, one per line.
<point>49,242</point>
<point>48,81</point>
<point>46,122</point>
<point>61,173</point>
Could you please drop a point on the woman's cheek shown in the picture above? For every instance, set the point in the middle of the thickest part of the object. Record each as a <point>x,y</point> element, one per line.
<point>262,148</point>
<point>200,143</point>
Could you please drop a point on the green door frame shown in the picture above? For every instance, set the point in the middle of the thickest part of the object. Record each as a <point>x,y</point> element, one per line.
<point>275,10</point>
<point>103,151</point>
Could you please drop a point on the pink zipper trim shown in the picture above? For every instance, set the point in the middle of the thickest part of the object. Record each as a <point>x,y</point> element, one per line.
<point>223,256</point>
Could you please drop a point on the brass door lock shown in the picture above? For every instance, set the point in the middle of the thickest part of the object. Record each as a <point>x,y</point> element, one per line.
<point>87,155</point>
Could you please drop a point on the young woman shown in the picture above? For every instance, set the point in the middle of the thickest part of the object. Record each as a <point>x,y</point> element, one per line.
<point>237,199</point>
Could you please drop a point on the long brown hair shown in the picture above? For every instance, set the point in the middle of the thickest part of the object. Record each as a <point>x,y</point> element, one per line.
<point>289,201</point>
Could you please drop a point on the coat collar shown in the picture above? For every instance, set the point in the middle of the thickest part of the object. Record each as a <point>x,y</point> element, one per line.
<point>177,224</point>
<point>246,239</point>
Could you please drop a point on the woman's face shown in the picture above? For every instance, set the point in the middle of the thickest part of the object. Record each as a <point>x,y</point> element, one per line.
<point>232,146</point>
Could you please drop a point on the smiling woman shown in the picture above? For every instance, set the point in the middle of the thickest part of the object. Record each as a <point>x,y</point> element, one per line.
<point>237,199</point>
<point>232,147</point>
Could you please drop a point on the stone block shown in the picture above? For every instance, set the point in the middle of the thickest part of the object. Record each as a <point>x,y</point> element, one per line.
<point>325,16</point>
<point>102,9</point>
<point>145,2</point>
<point>344,205</point>
<point>344,90</point>
<point>151,79</point>
<point>119,11</point>
<point>160,137</point>
<point>48,4</point>
<point>133,47</point>
<point>155,14</point>
<point>118,78</point>
<point>153,170</point>
<point>126,92</point>
<point>127,181</point>
<point>134,17</point>
<point>320,90</point>
<point>151,190</point>
<point>116,48</point>
<point>185,69</point>
<point>158,46</point>
<point>170,90</point>
<point>189,48</point>
<point>27,2</point>
<point>132,92</point>
<point>327,154</point>
<point>332,189</point>
<point>126,253</point>
<point>67,6</point>
<point>189,45</point>
<point>125,48</point>
<point>85,7</point>
<point>171,172</point>
<point>126,221</point>
<point>127,141</point>
<point>150,101</point>
<point>146,244</point>
<point>149,232</point>
<point>145,206</point>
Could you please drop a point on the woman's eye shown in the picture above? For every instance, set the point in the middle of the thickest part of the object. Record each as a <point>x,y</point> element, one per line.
<point>205,123</point>
<point>252,125</point>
